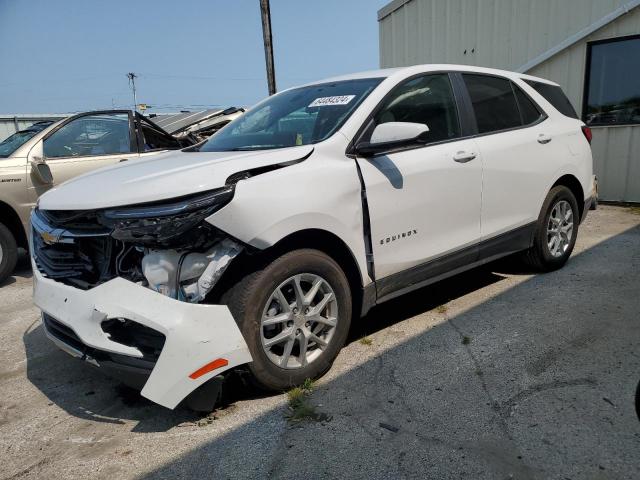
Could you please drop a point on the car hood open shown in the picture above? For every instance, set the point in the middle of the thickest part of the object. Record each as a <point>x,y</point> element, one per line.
<point>159,177</point>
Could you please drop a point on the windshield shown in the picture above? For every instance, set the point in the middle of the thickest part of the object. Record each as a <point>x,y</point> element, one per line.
<point>300,116</point>
<point>13,142</point>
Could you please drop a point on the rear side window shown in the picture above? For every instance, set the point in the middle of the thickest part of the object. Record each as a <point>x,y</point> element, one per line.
<point>555,96</point>
<point>494,103</point>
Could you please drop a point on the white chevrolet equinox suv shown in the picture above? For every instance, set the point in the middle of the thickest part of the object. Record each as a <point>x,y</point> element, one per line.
<point>260,245</point>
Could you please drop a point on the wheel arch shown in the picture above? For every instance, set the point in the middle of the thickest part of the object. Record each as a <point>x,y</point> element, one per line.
<point>10,218</point>
<point>329,243</point>
<point>572,183</point>
<point>332,245</point>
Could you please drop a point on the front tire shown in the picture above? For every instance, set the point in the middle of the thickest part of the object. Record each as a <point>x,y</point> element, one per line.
<point>556,231</point>
<point>8,253</point>
<point>294,314</point>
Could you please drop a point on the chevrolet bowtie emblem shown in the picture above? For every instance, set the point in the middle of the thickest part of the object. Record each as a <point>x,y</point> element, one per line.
<point>49,238</point>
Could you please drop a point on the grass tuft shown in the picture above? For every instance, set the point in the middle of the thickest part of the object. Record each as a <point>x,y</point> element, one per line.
<point>295,396</point>
<point>635,210</point>
<point>300,408</point>
<point>366,341</point>
<point>303,411</point>
<point>441,309</point>
<point>308,385</point>
<point>466,340</point>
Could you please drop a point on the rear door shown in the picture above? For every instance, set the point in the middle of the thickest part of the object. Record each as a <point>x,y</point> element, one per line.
<point>424,202</point>
<point>515,139</point>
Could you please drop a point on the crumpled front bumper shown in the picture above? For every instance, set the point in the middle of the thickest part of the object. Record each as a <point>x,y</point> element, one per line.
<point>195,334</point>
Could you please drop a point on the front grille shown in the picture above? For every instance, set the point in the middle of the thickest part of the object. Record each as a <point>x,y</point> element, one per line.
<point>71,219</point>
<point>78,257</point>
<point>84,263</point>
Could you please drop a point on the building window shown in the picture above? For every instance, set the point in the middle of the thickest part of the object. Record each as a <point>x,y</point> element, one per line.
<point>612,89</point>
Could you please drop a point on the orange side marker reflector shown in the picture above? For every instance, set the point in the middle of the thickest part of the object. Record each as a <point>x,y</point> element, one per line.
<point>209,367</point>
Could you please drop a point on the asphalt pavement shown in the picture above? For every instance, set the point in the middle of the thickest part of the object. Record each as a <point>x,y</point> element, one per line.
<point>493,374</point>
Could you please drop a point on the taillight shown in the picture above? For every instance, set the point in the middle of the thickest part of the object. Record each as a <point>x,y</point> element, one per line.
<point>587,133</point>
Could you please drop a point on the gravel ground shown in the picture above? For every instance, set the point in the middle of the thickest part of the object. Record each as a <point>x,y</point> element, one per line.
<point>493,374</point>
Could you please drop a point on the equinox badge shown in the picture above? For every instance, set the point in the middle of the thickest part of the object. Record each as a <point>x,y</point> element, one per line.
<point>393,238</point>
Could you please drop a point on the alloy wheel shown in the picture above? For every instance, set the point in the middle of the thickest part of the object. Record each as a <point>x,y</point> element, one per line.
<point>299,321</point>
<point>560,228</point>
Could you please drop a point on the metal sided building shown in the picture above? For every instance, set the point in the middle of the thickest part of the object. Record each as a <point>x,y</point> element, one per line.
<point>10,124</point>
<point>590,47</point>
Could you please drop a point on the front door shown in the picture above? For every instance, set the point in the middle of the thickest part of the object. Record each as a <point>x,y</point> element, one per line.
<point>87,142</point>
<point>424,203</point>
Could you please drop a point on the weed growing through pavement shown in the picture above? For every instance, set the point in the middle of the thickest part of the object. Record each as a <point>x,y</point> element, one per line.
<point>466,340</point>
<point>300,408</point>
<point>366,341</point>
<point>441,309</point>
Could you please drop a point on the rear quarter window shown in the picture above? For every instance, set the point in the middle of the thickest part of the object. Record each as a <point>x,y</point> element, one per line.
<point>555,96</point>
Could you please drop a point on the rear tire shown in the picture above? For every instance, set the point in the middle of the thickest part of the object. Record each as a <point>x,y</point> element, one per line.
<point>556,231</point>
<point>291,318</point>
<point>8,253</point>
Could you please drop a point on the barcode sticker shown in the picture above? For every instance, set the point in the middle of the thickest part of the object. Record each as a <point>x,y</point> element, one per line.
<point>328,101</point>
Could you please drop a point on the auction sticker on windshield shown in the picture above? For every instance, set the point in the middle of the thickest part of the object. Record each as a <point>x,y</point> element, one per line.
<point>327,101</point>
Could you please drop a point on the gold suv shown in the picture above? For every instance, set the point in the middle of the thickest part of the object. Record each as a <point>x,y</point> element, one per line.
<point>46,154</point>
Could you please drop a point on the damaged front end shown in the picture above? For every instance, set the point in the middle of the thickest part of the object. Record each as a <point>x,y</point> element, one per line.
<point>123,288</point>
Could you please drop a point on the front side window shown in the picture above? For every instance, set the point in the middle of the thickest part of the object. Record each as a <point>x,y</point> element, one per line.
<point>300,116</point>
<point>428,100</point>
<point>494,103</point>
<point>612,87</point>
<point>90,135</point>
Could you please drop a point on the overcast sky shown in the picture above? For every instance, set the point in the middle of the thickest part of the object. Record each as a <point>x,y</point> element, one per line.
<point>73,55</point>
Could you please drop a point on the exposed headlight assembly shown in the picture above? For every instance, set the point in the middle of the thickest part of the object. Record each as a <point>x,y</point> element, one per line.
<point>160,222</point>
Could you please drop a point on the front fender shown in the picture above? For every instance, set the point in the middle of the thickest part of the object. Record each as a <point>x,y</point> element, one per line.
<point>320,193</point>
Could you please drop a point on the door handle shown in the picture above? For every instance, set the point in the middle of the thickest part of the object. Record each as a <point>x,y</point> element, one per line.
<point>543,138</point>
<point>464,157</point>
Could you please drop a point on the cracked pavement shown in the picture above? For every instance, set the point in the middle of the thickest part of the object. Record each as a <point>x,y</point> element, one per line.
<point>493,374</point>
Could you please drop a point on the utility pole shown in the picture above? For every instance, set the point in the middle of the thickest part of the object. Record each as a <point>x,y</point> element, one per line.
<point>268,45</point>
<point>132,83</point>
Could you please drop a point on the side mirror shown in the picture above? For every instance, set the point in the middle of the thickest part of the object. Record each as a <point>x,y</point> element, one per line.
<point>39,168</point>
<point>42,171</point>
<point>392,135</point>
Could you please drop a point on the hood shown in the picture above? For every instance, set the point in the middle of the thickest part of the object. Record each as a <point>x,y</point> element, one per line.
<point>160,177</point>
